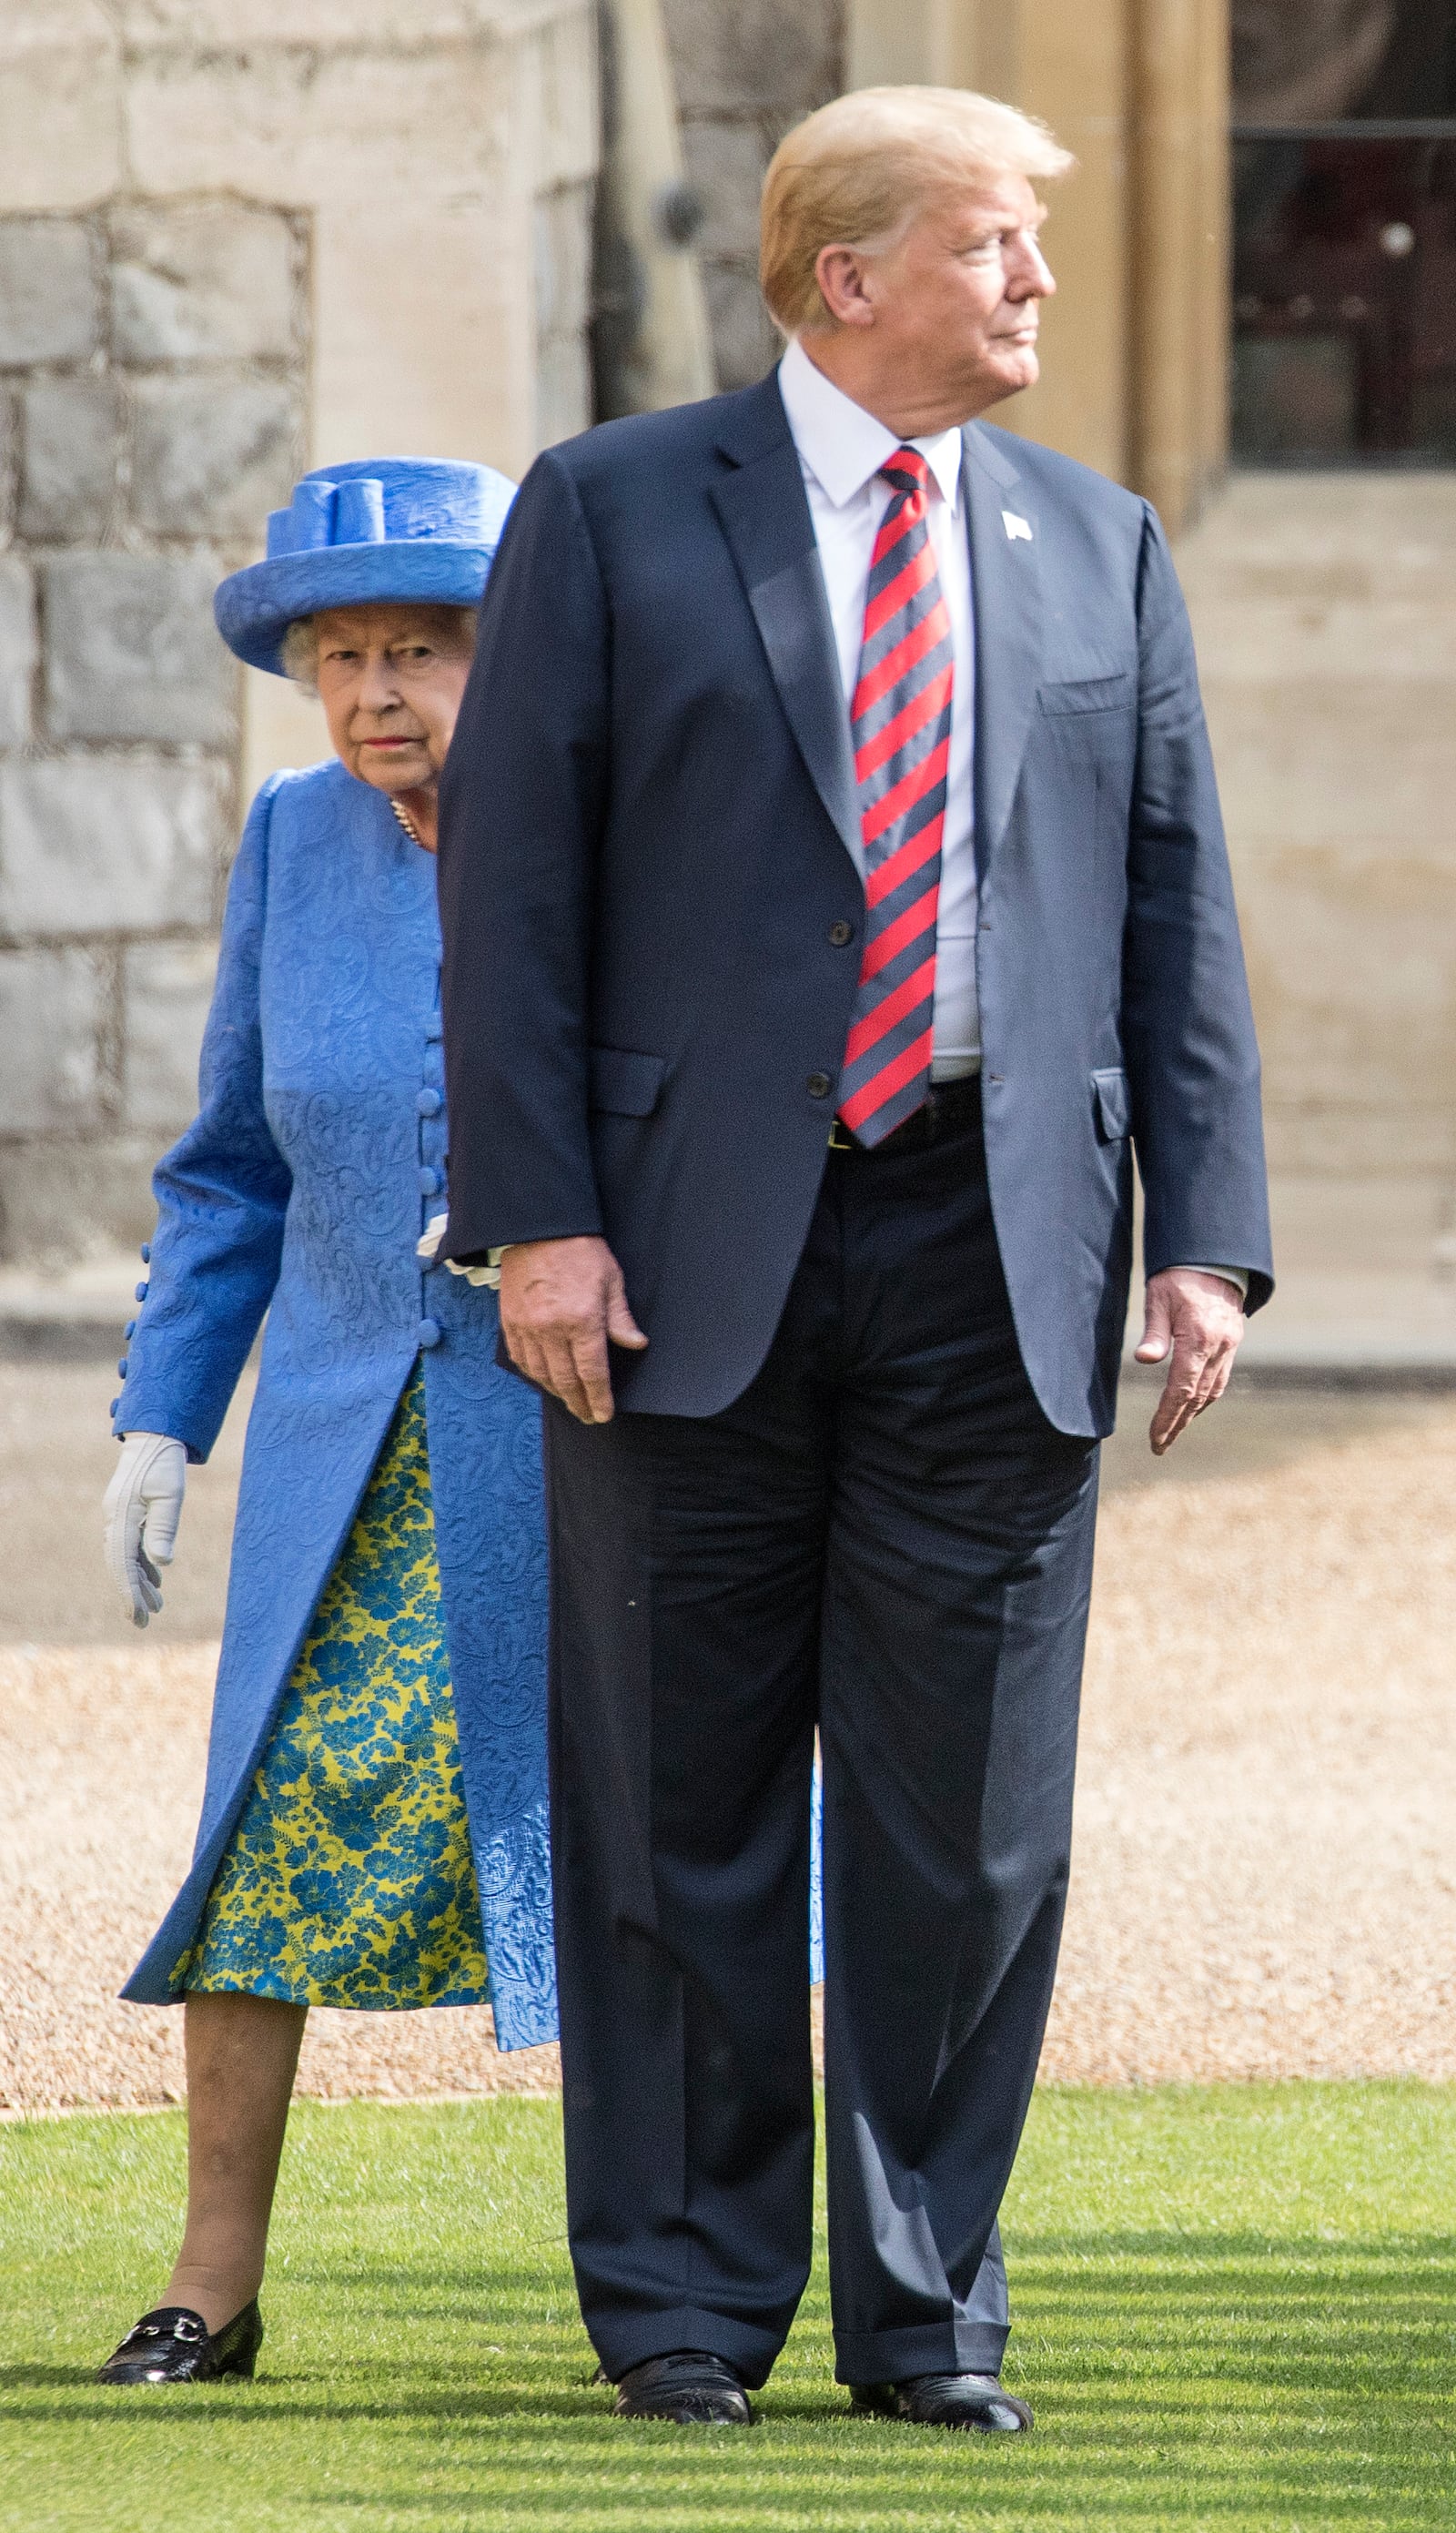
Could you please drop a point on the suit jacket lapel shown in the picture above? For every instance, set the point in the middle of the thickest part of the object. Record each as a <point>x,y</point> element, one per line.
<point>764,514</point>
<point>1006,577</point>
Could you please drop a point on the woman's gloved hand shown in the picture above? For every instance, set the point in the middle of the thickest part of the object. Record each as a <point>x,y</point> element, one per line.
<point>428,1249</point>
<point>142,1508</point>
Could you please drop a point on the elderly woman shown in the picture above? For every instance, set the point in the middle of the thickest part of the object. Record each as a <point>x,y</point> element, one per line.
<point>373,1829</point>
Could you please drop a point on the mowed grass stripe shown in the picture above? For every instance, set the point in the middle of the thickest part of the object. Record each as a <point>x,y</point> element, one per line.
<point>1235,2309</point>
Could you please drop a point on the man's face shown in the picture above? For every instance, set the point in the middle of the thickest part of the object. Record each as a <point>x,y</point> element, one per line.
<point>957,301</point>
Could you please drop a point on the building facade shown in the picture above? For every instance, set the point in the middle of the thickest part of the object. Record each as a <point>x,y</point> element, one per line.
<point>238,237</point>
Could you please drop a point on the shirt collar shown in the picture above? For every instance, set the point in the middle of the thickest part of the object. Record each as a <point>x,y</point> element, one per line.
<point>845,447</point>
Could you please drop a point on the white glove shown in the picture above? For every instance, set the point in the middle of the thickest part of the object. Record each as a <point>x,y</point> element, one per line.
<point>142,1508</point>
<point>428,1250</point>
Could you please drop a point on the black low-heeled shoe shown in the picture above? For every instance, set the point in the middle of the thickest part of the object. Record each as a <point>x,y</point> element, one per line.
<point>978,2402</point>
<point>687,2386</point>
<point>172,2344</point>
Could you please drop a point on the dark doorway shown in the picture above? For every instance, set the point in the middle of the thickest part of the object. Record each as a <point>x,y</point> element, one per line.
<point>1344,149</point>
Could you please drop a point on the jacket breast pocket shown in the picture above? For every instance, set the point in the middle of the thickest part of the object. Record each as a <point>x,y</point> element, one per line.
<point>1089,694</point>
<point>1112,1104</point>
<point>623,1083</point>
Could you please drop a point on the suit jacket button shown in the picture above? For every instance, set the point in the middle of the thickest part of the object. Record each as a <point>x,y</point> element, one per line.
<point>841,933</point>
<point>819,1086</point>
<point>426,1333</point>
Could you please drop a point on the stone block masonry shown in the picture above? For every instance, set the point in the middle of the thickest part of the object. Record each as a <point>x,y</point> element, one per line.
<point>130,649</point>
<point>49,302</point>
<point>16,651</point>
<point>54,1003</point>
<point>105,846</point>
<point>168,987</point>
<point>238,239</point>
<point>745,75</point>
<point>152,406</point>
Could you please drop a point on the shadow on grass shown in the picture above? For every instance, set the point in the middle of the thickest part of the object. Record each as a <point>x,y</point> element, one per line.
<point>736,2507</point>
<point>1303,2310</point>
<point>1178,2379</point>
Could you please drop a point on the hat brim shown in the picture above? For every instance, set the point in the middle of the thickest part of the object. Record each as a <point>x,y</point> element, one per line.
<point>254,607</point>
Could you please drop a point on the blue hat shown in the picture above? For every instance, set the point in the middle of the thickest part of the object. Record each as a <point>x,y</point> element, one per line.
<point>401,528</point>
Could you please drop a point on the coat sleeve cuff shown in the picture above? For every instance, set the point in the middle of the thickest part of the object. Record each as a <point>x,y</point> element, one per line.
<point>1238,1276</point>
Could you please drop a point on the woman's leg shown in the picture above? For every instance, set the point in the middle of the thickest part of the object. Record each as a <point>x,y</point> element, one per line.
<point>242,2053</point>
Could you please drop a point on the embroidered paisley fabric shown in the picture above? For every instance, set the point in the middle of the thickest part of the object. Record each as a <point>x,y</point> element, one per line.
<point>348,1880</point>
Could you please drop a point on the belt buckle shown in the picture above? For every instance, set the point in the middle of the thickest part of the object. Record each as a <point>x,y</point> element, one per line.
<point>839,1138</point>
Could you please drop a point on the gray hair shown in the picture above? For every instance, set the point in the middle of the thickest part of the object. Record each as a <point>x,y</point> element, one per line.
<point>300,645</point>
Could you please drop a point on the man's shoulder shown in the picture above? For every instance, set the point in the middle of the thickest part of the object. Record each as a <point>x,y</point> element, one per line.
<point>682,435</point>
<point>1046,472</point>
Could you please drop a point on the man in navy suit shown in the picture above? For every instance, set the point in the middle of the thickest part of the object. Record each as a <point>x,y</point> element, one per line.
<point>835,897</point>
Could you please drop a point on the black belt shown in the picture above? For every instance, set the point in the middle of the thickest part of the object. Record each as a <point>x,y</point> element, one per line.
<point>947,1108</point>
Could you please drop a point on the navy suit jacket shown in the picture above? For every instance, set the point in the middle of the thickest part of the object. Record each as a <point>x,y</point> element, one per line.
<point>645,871</point>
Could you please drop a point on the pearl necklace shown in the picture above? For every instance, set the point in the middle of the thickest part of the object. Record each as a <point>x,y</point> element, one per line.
<point>408,824</point>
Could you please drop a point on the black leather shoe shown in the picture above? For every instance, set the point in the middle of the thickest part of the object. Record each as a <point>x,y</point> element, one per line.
<point>172,2344</point>
<point>975,2401</point>
<point>688,2386</point>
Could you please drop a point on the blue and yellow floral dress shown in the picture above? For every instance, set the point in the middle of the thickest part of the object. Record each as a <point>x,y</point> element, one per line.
<point>349,1879</point>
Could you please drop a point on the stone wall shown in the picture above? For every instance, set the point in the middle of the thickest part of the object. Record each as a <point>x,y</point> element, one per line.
<point>1324,610</point>
<point>745,75</point>
<point>238,238</point>
<point>153,383</point>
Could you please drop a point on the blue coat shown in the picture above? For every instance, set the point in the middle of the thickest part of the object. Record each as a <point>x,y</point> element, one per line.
<point>652,908</point>
<point>301,1189</point>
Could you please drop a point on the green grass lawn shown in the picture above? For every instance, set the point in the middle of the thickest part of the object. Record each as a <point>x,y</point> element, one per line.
<point>1236,2309</point>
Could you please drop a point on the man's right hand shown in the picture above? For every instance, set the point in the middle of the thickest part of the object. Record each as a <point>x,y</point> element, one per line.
<point>561,1301</point>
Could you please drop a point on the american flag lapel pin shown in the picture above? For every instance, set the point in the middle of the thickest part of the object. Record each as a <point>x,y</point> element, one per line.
<point>1016,526</point>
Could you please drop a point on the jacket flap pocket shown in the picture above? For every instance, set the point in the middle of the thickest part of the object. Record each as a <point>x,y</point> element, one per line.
<point>1114,1105</point>
<point>1090,694</point>
<point>627,1084</point>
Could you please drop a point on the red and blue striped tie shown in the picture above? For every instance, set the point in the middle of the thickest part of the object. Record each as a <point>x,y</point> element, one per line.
<point>900,723</point>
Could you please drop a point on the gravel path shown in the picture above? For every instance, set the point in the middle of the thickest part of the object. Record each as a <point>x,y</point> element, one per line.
<point>1266,1871</point>
<point>1264,1876</point>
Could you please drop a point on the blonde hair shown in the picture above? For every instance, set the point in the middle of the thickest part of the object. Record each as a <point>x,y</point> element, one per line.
<point>857,172</point>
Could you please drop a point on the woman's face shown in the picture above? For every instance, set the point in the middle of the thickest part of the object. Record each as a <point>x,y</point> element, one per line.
<point>391,680</point>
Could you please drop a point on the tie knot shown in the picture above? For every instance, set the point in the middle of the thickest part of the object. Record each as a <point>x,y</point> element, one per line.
<point>908,471</point>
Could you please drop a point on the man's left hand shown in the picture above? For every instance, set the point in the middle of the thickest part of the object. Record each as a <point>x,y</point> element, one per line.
<point>1200,1318</point>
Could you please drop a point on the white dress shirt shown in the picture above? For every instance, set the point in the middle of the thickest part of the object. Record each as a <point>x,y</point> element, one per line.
<point>840,450</point>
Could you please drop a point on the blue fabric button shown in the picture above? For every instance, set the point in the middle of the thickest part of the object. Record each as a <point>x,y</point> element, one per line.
<point>428,1333</point>
<point>140,1293</point>
<point>111,1410</point>
<point>146,1253</point>
<point>434,1028</point>
<point>129,1330</point>
<point>121,1369</point>
<point>429,1103</point>
<point>429,1181</point>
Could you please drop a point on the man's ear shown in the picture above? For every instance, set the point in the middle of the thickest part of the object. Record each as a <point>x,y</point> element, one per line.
<point>839,273</point>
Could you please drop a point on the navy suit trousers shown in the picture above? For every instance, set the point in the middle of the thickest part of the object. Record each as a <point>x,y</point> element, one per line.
<point>884,1538</point>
